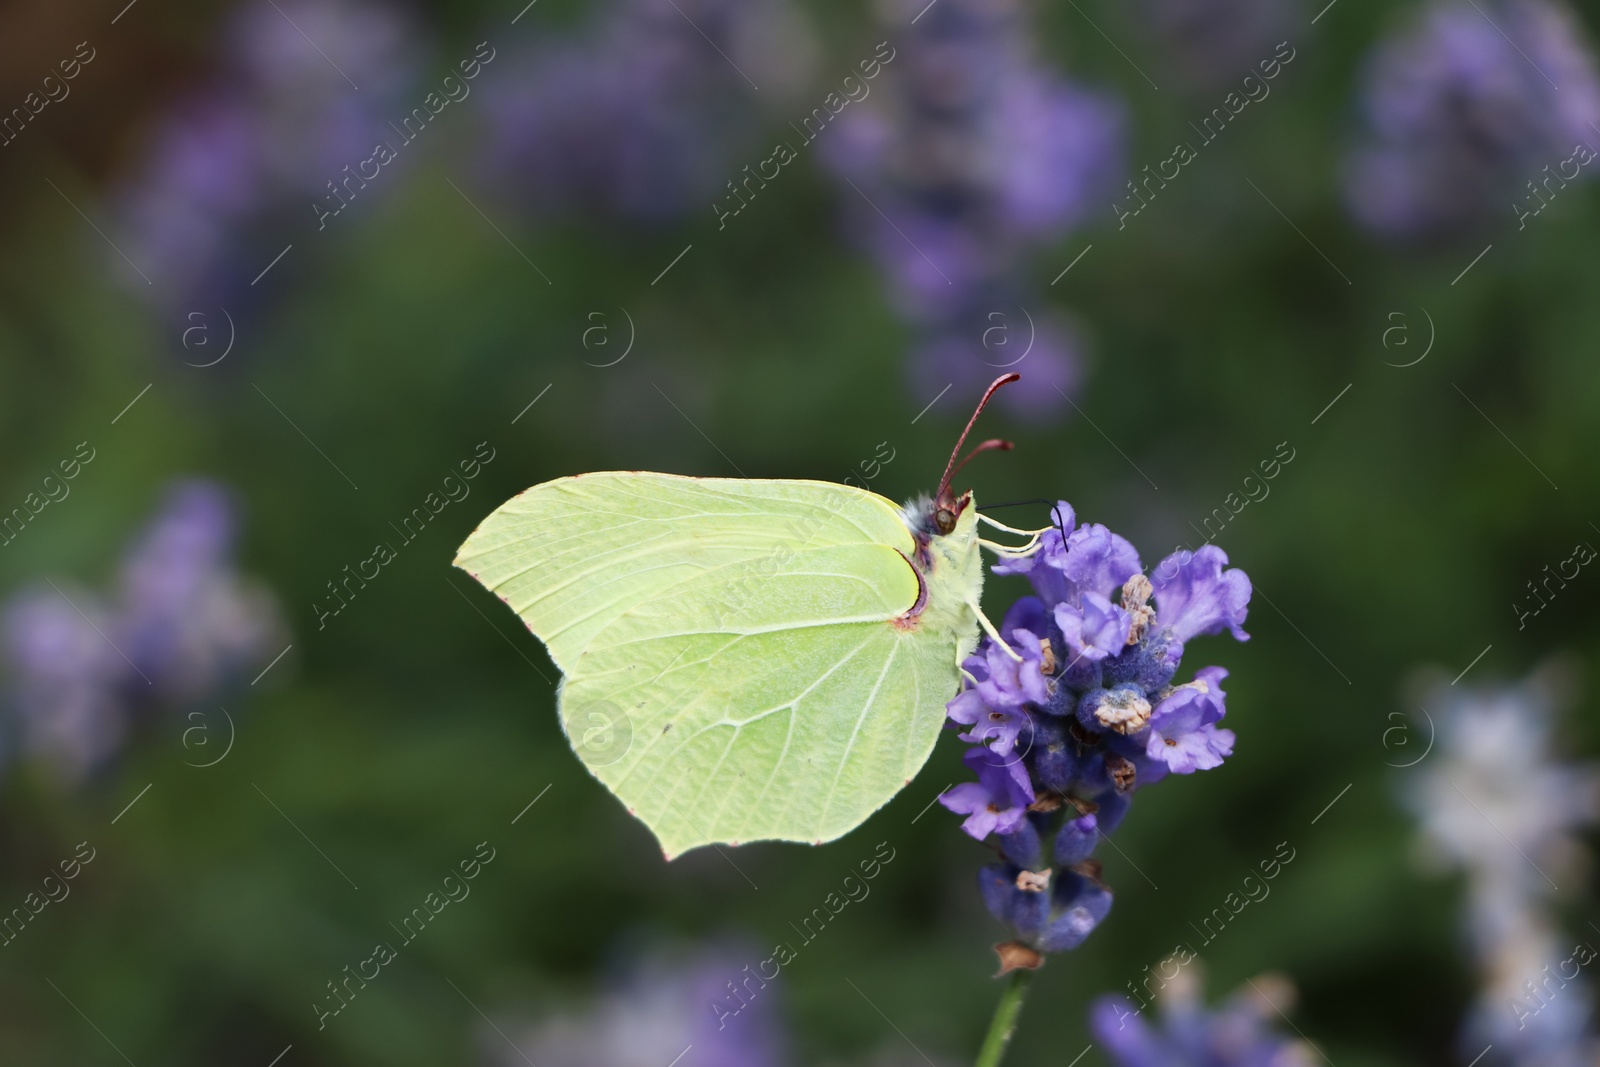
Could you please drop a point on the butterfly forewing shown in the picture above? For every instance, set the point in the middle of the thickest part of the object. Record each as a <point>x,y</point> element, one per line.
<point>570,555</point>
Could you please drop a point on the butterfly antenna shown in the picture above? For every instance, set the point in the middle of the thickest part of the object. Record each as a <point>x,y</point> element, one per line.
<point>1055,513</point>
<point>993,444</point>
<point>951,467</point>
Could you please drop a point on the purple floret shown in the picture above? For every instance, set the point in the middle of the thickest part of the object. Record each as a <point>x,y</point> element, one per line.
<point>1099,561</point>
<point>1195,596</point>
<point>1010,682</point>
<point>1095,629</point>
<point>1183,730</point>
<point>998,801</point>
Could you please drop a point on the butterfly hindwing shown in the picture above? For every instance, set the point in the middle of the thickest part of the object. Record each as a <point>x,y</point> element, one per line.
<point>793,717</point>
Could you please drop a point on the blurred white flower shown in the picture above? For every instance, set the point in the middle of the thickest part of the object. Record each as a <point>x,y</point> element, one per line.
<point>1495,803</point>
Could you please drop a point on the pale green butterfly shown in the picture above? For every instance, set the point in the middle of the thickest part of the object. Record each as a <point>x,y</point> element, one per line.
<point>745,659</point>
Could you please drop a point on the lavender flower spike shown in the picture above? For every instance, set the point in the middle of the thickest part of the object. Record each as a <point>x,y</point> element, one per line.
<point>278,134</point>
<point>1464,121</point>
<point>647,115</point>
<point>978,154</point>
<point>1239,1034</point>
<point>711,999</point>
<point>182,627</point>
<point>1084,714</point>
<point>1495,802</point>
<point>66,679</point>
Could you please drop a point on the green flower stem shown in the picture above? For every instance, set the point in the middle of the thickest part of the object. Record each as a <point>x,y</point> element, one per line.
<point>1004,1023</point>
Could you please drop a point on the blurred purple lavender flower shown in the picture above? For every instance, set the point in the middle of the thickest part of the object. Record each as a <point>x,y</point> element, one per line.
<point>1077,710</point>
<point>965,347</point>
<point>639,120</point>
<point>1209,43</point>
<point>1495,803</point>
<point>188,621</point>
<point>182,628</point>
<point>259,142</point>
<point>652,1014</point>
<point>1463,116</point>
<point>971,155</point>
<point>66,679</point>
<point>1238,1034</point>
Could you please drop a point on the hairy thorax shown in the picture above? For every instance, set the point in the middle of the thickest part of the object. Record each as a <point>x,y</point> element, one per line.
<point>949,574</point>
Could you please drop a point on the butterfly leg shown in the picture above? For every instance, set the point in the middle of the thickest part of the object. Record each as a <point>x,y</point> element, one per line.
<point>1012,529</point>
<point>1026,549</point>
<point>994,635</point>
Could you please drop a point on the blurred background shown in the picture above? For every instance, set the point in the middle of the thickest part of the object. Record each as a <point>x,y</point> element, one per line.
<point>296,291</point>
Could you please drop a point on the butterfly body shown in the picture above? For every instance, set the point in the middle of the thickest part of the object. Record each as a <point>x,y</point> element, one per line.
<point>743,659</point>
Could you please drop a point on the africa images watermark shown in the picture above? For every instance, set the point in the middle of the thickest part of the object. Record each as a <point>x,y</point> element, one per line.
<point>740,592</point>
<point>384,153</point>
<point>1541,993</point>
<point>1582,555</point>
<point>1185,153</point>
<point>1581,156</point>
<point>855,888</point>
<point>12,925</point>
<point>34,103</point>
<point>1254,890</point>
<point>33,503</point>
<point>384,953</point>
<point>454,489</point>
<point>784,153</point>
<point>1233,503</point>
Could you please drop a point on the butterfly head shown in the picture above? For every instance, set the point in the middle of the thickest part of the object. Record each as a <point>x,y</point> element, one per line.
<point>928,517</point>
<point>945,510</point>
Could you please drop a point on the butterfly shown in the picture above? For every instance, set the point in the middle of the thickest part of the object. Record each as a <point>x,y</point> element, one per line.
<point>746,659</point>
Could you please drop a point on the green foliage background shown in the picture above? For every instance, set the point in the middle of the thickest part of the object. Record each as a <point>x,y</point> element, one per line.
<point>406,731</point>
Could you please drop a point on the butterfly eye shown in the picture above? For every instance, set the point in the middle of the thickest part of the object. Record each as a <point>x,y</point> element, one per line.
<point>944,519</point>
